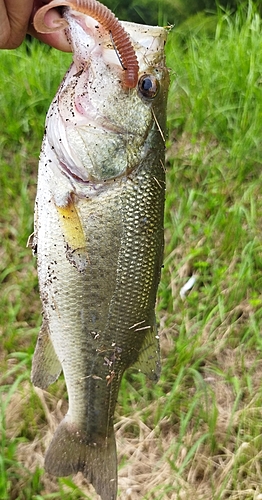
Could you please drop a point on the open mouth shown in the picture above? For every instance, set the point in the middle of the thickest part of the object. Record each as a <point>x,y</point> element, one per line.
<point>108,22</point>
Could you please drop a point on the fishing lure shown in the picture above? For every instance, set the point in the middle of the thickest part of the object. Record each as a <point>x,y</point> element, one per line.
<point>109,22</point>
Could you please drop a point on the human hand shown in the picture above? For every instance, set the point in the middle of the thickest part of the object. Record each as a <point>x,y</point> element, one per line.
<point>16,18</point>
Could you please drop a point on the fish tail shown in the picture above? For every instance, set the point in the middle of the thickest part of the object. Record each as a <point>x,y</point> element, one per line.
<point>71,450</point>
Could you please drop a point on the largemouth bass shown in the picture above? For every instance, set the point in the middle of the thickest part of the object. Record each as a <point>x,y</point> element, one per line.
<point>99,237</point>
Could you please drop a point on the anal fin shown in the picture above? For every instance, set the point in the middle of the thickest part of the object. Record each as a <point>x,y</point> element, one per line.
<point>46,366</point>
<point>148,361</point>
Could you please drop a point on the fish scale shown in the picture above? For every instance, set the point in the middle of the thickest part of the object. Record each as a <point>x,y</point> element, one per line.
<point>99,239</point>
<point>138,268</point>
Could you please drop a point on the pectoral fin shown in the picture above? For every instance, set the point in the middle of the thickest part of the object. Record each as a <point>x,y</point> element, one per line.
<point>46,367</point>
<point>74,235</point>
<point>148,361</point>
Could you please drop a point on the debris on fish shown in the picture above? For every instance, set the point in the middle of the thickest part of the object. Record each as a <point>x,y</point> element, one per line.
<point>99,235</point>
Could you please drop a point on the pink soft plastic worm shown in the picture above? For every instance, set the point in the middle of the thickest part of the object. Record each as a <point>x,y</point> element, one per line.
<point>108,20</point>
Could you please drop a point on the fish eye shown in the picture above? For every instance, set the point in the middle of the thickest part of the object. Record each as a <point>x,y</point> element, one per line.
<point>148,86</point>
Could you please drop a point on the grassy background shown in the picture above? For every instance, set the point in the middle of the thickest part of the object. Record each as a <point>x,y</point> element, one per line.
<point>198,432</point>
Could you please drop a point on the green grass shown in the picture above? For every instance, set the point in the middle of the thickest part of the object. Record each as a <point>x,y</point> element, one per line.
<point>198,431</point>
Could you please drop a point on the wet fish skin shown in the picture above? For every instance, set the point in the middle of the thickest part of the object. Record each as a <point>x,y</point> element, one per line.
<point>99,238</point>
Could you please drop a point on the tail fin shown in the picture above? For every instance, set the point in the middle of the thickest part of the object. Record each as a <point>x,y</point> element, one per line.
<point>71,451</point>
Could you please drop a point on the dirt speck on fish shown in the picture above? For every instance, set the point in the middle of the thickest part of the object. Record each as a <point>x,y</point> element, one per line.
<point>99,238</point>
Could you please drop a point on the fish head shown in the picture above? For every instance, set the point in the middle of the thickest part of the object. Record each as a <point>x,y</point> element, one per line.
<point>100,129</point>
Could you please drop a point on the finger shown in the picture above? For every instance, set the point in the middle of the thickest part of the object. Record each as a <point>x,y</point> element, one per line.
<point>57,39</point>
<point>14,16</point>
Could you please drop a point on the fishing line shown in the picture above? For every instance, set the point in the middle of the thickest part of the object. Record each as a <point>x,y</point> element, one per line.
<point>116,51</point>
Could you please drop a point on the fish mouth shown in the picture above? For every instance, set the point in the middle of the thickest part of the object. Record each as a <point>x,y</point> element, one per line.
<point>80,100</point>
<point>107,21</point>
